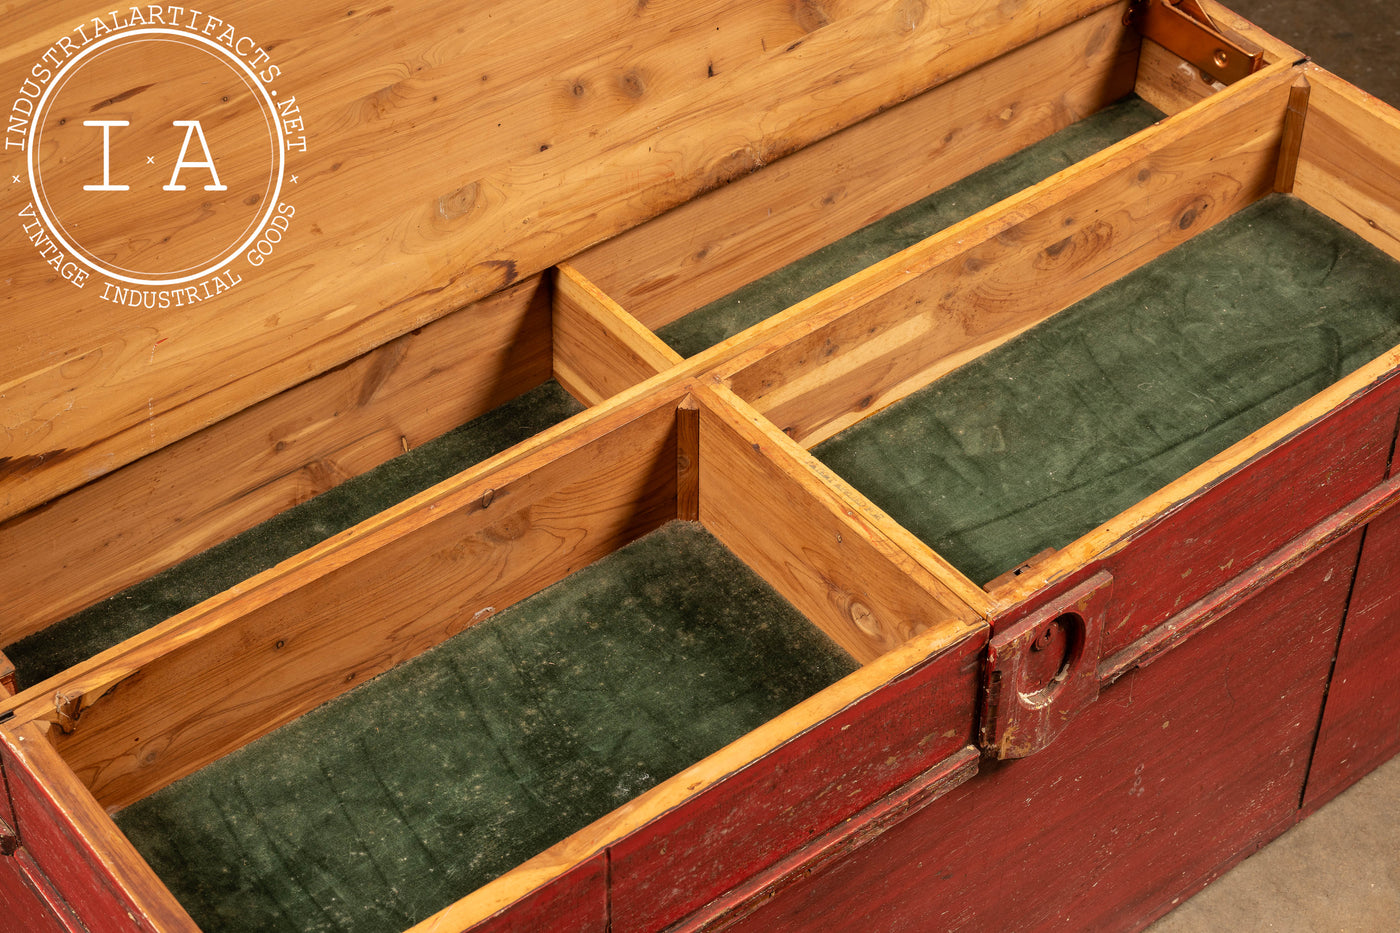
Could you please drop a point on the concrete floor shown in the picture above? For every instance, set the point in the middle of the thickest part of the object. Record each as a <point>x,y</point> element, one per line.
<point>1338,871</point>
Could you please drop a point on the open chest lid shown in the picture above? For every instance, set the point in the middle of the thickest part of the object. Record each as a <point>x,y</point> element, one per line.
<point>204,208</point>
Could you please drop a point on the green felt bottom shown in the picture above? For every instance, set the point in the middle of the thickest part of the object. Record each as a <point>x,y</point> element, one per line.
<point>746,306</point>
<point>1055,432</point>
<point>385,805</point>
<point>194,580</point>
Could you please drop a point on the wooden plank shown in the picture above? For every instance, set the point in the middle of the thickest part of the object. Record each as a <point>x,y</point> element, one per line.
<point>1168,82</point>
<point>836,843</point>
<point>688,460</point>
<point>766,500</point>
<point>7,676</point>
<point>707,247</point>
<point>600,349</point>
<point>24,898</point>
<point>812,781</point>
<point>1350,159</point>
<point>1361,723</point>
<point>575,901</point>
<point>1294,121</point>
<point>401,216</point>
<point>209,680</point>
<point>77,846</point>
<point>891,329</point>
<point>125,526</point>
<point>1175,773</point>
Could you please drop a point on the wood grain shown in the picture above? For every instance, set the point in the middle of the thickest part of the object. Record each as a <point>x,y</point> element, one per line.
<point>883,333</point>
<point>600,349</point>
<point>240,664</point>
<point>556,141</point>
<point>764,501</point>
<point>711,245</point>
<point>124,527</point>
<point>1350,159</point>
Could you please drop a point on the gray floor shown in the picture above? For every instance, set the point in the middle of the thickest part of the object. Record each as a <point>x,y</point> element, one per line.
<point>1340,869</point>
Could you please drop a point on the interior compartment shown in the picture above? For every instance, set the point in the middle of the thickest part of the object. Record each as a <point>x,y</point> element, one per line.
<point>1042,439</point>
<point>599,500</point>
<point>62,644</point>
<point>374,811</point>
<point>1039,373</point>
<point>719,264</point>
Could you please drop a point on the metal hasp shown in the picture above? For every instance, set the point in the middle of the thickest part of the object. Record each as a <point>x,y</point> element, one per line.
<point>1043,670</point>
<point>1185,28</point>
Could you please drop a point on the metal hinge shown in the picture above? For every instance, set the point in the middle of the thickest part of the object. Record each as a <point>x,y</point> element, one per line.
<point>1186,29</point>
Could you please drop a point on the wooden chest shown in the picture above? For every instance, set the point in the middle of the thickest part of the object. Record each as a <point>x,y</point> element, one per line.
<point>940,475</point>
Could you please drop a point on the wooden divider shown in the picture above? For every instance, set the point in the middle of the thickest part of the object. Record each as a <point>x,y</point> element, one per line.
<point>711,245</point>
<point>761,498</point>
<point>1350,159</point>
<point>872,339</point>
<point>599,348</point>
<point>212,679</point>
<point>123,527</point>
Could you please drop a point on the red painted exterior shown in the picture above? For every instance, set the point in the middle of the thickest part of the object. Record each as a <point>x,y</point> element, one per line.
<point>1180,769</point>
<point>1361,726</point>
<point>64,856</point>
<point>747,822</point>
<point>575,902</point>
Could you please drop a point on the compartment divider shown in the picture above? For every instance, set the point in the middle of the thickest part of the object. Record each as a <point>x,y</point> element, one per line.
<point>600,349</point>
<point>782,518</point>
<point>1350,158</point>
<point>872,339</point>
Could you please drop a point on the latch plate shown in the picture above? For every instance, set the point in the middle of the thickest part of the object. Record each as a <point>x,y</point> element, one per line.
<point>1043,670</point>
<point>1185,28</point>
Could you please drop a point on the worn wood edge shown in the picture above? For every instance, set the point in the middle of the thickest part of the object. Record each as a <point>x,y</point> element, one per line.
<point>1294,123</point>
<point>743,752</point>
<point>91,679</point>
<point>1329,171</point>
<point>1119,532</point>
<point>106,528</point>
<point>631,266</point>
<point>687,460</point>
<point>870,81</point>
<point>729,361</point>
<point>102,842</point>
<point>1203,613</point>
<point>600,349</point>
<point>836,843</point>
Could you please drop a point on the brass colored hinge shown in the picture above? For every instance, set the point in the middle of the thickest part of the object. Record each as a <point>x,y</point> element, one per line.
<point>1185,28</point>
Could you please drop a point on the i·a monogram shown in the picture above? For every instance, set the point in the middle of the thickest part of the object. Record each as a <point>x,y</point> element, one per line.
<point>193,129</point>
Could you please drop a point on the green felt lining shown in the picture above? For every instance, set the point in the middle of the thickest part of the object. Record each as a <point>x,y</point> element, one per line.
<point>197,578</point>
<point>746,306</point>
<point>405,794</point>
<point>1053,433</point>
